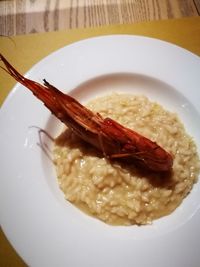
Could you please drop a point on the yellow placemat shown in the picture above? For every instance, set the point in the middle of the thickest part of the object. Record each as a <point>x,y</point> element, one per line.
<point>24,51</point>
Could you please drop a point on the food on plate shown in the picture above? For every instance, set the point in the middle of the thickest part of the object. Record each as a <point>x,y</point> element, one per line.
<point>123,177</point>
<point>119,193</point>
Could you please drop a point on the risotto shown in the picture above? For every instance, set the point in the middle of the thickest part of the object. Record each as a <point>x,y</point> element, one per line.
<point>119,193</point>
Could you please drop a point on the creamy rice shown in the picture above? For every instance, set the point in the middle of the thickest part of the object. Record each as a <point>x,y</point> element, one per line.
<point>121,194</point>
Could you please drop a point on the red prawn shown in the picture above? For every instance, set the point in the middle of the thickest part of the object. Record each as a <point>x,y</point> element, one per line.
<point>108,136</point>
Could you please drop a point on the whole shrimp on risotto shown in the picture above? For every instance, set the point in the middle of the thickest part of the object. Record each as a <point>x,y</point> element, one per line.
<point>140,163</point>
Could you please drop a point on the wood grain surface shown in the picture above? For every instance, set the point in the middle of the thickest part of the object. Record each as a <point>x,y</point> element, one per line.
<point>32,16</point>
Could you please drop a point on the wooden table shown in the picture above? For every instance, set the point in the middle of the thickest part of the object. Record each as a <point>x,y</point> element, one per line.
<point>32,16</point>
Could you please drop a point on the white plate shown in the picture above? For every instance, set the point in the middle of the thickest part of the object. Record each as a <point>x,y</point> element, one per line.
<point>45,229</point>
